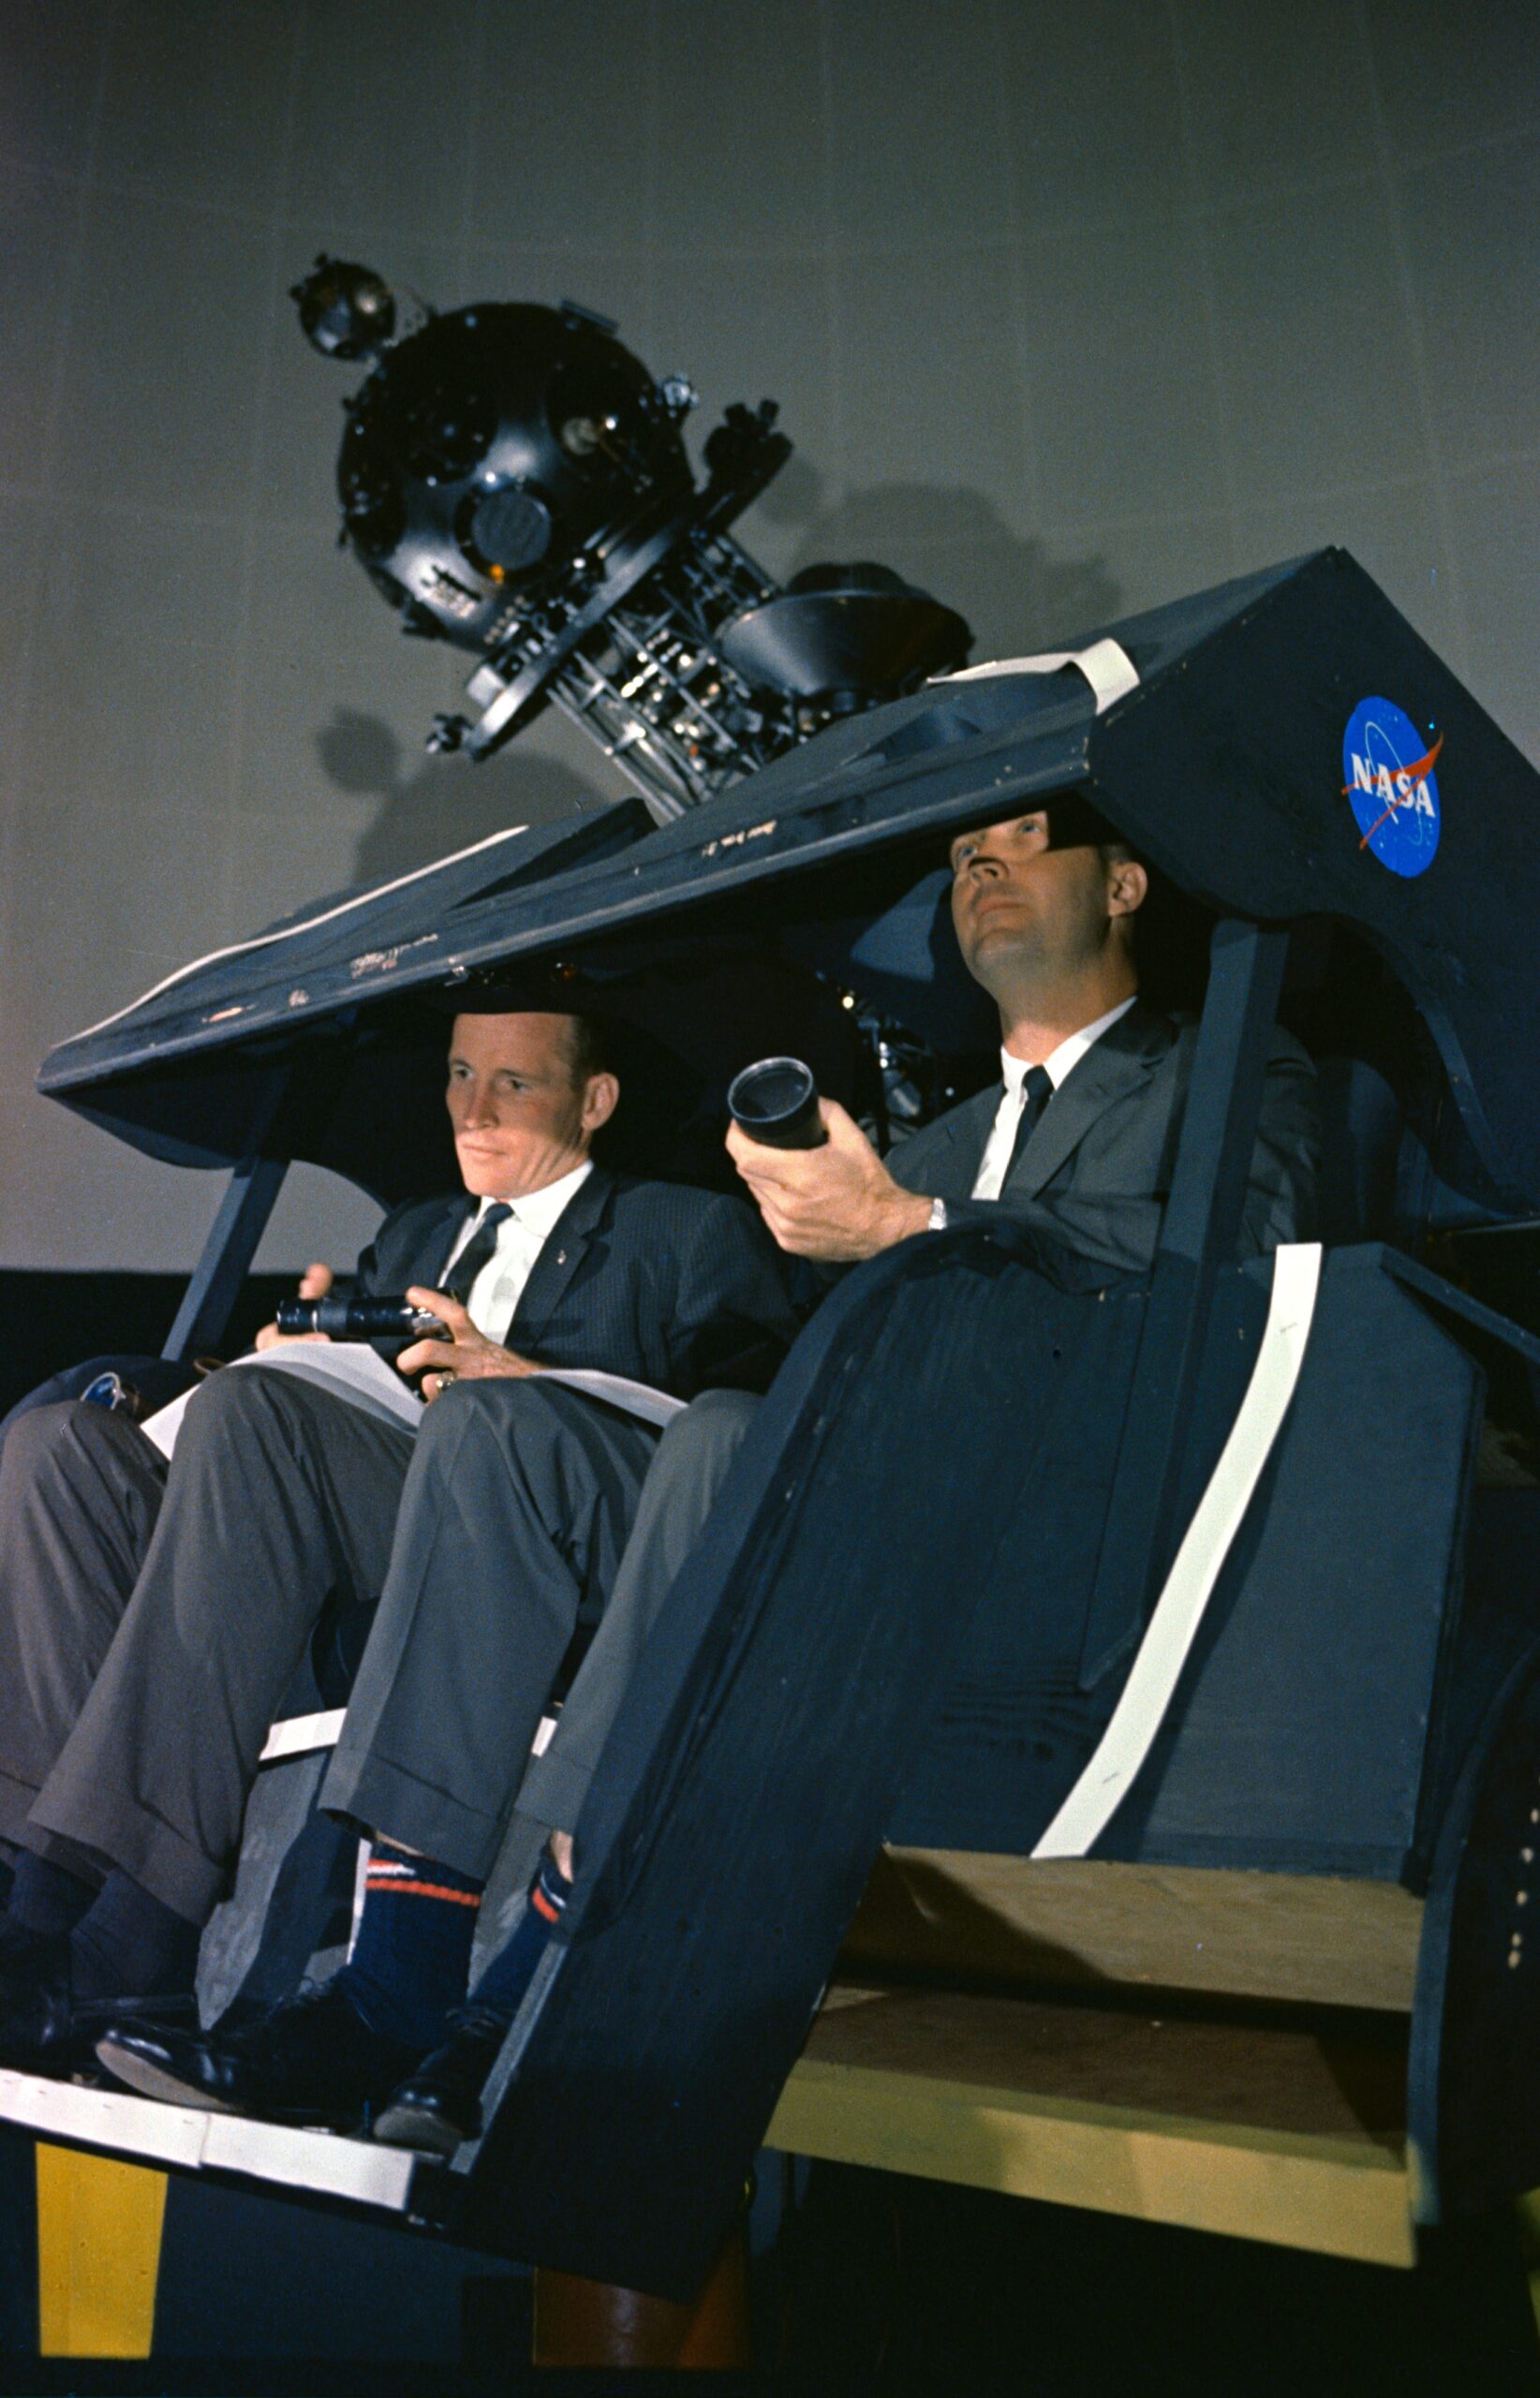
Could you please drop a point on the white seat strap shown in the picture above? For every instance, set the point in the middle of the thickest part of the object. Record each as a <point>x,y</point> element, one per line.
<point>1151,1684</point>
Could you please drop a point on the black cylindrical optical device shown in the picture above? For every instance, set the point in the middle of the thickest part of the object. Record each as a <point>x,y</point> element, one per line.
<point>776,1103</point>
<point>344,1319</point>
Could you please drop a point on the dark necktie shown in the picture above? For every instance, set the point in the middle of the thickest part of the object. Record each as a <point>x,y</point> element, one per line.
<point>1036,1091</point>
<point>476,1253</point>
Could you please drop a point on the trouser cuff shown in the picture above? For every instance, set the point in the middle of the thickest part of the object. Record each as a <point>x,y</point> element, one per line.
<point>17,1801</point>
<point>553,1789</point>
<point>377,1797</point>
<point>20,1835</point>
<point>116,1828</point>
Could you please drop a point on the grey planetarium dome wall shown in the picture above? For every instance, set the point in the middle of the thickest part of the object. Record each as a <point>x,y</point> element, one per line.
<point>1070,306</point>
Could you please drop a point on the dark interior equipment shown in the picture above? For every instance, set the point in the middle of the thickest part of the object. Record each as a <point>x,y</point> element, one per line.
<point>515,482</point>
<point>845,1659</point>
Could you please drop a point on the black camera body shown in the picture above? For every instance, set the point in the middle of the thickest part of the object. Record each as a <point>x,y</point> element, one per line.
<point>361,1319</point>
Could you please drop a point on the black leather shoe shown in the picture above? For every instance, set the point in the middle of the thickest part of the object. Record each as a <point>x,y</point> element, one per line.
<point>50,2031</point>
<point>310,2060</point>
<point>439,2105</point>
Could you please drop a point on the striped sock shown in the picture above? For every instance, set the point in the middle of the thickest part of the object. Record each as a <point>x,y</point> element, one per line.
<point>512,1969</point>
<point>412,1954</point>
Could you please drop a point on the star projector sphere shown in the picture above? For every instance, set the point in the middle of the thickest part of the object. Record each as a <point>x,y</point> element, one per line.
<point>515,482</point>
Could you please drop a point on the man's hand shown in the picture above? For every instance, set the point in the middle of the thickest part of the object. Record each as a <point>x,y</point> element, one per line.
<point>314,1284</point>
<point>466,1355</point>
<point>836,1204</point>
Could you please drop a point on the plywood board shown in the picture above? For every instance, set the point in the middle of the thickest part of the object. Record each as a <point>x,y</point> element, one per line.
<point>1266,2131</point>
<point>1302,1939</point>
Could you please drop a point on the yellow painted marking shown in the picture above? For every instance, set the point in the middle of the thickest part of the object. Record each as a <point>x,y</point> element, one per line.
<point>98,2253</point>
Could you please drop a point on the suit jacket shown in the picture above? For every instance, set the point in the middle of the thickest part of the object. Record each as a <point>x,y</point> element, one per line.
<point>1095,1173</point>
<point>682,1289</point>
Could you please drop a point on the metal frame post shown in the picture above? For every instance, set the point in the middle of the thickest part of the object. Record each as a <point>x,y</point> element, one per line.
<point>216,1278</point>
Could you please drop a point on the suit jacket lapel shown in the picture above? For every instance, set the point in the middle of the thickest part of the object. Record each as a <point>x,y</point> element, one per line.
<point>965,1133</point>
<point>422,1257</point>
<point>436,1251</point>
<point>561,1253</point>
<point>1115,1065</point>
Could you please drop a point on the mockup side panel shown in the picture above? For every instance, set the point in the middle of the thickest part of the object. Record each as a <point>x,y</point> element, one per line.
<point>797,1666</point>
<point>1300,1734</point>
<point>1233,769</point>
<point>1015,1726</point>
<point>1300,1729</point>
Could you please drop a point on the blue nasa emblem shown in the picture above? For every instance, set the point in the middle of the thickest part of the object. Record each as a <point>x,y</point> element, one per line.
<point>1392,786</point>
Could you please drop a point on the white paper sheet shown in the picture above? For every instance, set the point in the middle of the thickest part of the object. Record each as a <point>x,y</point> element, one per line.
<point>355,1372</point>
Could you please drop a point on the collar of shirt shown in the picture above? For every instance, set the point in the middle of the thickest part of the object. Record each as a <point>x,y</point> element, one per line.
<point>498,1287</point>
<point>1060,1062</point>
<point>537,1210</point>
<point>995,1164</point>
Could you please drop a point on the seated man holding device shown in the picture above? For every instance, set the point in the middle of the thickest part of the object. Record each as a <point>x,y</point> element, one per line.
<point>152,1617</point>
<point>1079,1144</point>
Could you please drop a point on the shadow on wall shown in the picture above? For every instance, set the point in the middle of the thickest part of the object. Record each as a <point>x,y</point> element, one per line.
<point>956,545</point>
<point>445,804</point>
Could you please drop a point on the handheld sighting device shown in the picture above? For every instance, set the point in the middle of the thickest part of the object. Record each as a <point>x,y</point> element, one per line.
<point>776,1103</point>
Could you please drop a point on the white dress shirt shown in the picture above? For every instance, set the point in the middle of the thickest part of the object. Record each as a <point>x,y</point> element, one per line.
<point>990,1179</point>
<point>499,1286</point>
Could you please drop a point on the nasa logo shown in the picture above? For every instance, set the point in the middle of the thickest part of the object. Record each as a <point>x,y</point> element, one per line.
<point>1392,786</point>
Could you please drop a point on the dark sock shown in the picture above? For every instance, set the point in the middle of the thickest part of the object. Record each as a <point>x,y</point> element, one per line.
<point>131,1946</point>
<point>412,1953</point>
<point>512,1969</point>
<point>47,1899</point>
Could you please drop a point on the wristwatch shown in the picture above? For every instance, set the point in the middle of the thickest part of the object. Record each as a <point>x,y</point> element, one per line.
<point>938,1216</point>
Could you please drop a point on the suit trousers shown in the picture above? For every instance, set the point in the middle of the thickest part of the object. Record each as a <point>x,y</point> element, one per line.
<point>280,1496</point>
<point>79,1493</point>
<point>521,1502</point>
<point>680,1490</point>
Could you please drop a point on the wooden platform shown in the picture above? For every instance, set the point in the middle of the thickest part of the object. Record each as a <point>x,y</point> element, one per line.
<point>1263,2129</point>
<point>1223,2050</point>
<point>1303,1939</point>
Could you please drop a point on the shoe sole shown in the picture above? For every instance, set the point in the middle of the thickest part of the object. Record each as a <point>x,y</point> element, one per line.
<point>419,2128</point>
<point>151,2082</point>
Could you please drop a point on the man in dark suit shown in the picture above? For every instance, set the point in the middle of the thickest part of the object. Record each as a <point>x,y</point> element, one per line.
<point>151,1619</point>
<point>1078,1139</point>
<point>1045,908</point>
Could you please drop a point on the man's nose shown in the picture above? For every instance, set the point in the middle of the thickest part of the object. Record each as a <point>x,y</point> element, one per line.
<point>476,1106</point>
<point>984,864</point>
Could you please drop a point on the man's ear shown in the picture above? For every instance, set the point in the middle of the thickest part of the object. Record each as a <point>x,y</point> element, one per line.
<point>1128,883</point>
<point>601,1098</point>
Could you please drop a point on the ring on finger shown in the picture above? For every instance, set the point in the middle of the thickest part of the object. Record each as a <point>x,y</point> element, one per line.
<point>445,1376</point>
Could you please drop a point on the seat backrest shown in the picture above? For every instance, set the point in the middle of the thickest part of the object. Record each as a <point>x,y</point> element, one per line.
<point>1391,1170</point>
<point>1363,1131</point>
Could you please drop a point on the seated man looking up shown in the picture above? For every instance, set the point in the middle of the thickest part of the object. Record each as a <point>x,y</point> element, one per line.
<point>1079,1143</point>
<point>151,1618</point>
